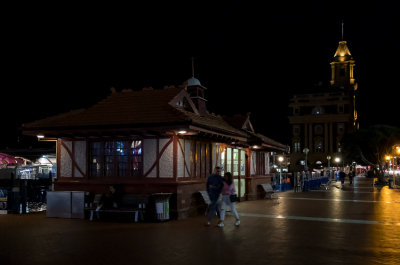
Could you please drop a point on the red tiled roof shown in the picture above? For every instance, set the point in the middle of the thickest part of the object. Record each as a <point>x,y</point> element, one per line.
<point>213,122</point>
<point>122,108</point>
<point>139,109</point>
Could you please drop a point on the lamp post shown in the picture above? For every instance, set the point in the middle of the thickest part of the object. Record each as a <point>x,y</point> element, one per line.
<point>306,150</point>
<point>329,164</point>
<point>337,160</point>
<point>397,152</point>
<point>280,159</point>
<point>388,159</point>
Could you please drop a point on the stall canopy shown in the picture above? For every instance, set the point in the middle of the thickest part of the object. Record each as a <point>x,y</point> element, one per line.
<point>9,159</point>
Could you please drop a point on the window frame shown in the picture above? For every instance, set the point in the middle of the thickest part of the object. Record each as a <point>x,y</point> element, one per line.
<point>116,161</point>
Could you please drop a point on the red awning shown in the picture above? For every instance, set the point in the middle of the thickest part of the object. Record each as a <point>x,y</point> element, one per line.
<point>9,159</point>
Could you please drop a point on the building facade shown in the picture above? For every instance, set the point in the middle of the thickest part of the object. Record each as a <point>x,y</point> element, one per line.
<point>156,141</point>
<point>319,119</point>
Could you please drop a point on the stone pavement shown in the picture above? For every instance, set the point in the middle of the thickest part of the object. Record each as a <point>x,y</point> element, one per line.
<point>358,224</point>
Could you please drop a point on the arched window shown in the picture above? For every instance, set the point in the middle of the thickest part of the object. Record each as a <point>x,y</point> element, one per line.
<point>318,110</point>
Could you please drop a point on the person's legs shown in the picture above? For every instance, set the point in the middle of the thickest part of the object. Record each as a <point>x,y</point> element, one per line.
<point>212,211</point>
<point>233,209</point>
<point>223,208</point>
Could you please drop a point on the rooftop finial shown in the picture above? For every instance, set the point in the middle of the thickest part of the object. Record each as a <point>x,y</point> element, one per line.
<point>192,66</point>
<point>342,30</point>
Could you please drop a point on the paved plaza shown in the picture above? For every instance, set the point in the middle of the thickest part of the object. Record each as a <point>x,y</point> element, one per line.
<point>358,224</point>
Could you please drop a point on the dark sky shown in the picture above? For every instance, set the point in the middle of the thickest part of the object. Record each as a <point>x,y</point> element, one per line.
<point>251,55</point>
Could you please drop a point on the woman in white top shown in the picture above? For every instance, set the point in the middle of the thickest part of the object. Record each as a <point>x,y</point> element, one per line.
<point>228,190</point>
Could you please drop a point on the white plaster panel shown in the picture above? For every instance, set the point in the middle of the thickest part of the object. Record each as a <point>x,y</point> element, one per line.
<point>66,161</point>
<point>149,156</point>
<point>267,166</point>
<point>80,158</point>
<point>187,157</point>
<point>166,160</point>
<point>181,162</point>
<point>253,163</point>
<point>214,156</point>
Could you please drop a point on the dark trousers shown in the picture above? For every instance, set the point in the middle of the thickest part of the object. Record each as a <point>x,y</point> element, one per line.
<point>213,209</point>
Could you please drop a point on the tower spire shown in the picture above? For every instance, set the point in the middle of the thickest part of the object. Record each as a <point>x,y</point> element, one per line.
<point>192,66</point>
<point>342,30</point>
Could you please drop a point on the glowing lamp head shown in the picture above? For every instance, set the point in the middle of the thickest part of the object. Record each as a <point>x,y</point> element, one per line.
<point>280,158</point>
<point>398,149</point>
<point>40,136</point>
<point>337,159</point>
<point>182,132</point>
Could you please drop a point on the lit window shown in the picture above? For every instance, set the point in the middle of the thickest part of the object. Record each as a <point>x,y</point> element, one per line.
<point>297,147</point>
<point>115,158</point>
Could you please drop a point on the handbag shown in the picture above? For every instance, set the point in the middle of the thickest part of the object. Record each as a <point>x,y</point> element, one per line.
<point>233,197</point>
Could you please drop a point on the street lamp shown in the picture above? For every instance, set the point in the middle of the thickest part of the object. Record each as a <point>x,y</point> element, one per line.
<point>306,150</point>
<point>388,158</point>
<point>337,160</point>
<point>280,159</point>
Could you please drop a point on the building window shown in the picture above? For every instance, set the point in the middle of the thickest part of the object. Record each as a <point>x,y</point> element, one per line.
<point>340,108</point>
<point>318,145</point>
<point>318,129</point>
<point>235,165</point>
<point>318,110</point>
<point>229,160</point>
<point>296,130</point>
<point>297,147</point>
<point>242,163</point>
<point>340,128</point>
<point>116,158</point>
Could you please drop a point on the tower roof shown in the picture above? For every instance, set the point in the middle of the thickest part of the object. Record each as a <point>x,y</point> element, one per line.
<point>193,82</point>
<point>342,52</point>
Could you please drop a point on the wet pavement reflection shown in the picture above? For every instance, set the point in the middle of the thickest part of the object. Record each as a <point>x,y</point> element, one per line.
<point>354,224</point>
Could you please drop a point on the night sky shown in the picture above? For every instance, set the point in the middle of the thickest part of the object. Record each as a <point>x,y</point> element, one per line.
<point>251,55</point>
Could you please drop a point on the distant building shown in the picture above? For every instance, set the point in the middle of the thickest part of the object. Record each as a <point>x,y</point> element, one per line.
<point>156,140</point>
<point>319,118</point>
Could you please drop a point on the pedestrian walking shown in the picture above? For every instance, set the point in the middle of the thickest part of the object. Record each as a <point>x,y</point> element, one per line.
<point>342,176</point>
<point>352,174</point>
<point>228,190</point>
<point>214,187</point>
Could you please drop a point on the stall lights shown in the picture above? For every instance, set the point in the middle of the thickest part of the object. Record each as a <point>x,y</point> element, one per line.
<point>40,136</point>
<point>255,146</point>
<point>182,132</point>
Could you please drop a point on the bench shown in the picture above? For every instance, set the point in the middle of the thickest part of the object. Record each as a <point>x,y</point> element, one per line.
<point>131,204</point>
<point>269,191</point>
<point>207,200</point>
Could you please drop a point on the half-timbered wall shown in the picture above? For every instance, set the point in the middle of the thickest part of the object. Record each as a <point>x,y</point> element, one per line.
<point>66,159</point>
<point>150,147</point>
<point>259,163</point>
<point>166,159</point>
<point>73,159</point>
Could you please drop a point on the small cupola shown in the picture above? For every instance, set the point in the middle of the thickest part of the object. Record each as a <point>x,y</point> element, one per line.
<point>197,94</point>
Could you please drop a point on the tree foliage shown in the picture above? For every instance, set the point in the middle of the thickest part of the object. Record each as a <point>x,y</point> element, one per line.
<point>369,146</point>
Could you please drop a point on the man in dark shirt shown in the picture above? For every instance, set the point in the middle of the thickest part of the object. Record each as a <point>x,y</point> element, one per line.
<point>214,188</point>
<point>342,176</point>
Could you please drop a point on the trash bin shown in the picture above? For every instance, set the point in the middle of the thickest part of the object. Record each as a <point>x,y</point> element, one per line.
<point>161,206</point>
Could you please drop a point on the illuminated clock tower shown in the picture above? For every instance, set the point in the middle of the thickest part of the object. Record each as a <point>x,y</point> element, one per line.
<point>342,68</point>
<point>322,115</point>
